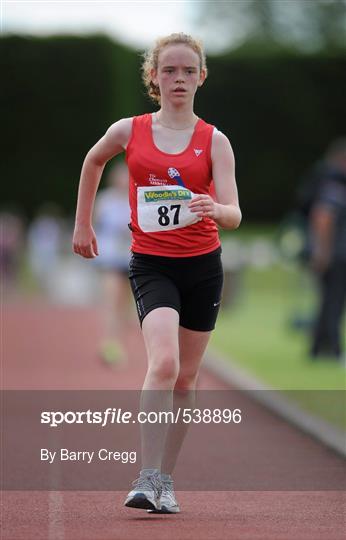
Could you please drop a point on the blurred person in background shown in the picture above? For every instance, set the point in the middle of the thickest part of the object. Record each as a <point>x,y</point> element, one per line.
<point>112,216</point>
<point>327,249</point>
<point>44,244</point>
<point>11,244</point>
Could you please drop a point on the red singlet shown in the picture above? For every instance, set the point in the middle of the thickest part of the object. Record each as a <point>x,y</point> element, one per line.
<point>148,166</point>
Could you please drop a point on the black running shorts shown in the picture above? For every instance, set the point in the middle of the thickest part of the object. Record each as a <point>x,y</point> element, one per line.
<point>190,285</point>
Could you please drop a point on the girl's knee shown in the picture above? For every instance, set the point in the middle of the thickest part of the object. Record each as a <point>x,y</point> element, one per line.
<point>186,382</point>
<point>164,369</point>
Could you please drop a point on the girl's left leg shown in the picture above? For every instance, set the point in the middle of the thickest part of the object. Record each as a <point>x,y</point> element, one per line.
<point>192,345</point>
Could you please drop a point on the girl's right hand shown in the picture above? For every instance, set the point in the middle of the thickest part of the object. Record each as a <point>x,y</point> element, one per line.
<point>84,241</point>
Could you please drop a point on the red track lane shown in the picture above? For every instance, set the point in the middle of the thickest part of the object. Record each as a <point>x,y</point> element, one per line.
<point>56,348</point>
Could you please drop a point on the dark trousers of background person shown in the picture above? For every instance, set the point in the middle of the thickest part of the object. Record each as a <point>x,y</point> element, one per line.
<point>327,334</point>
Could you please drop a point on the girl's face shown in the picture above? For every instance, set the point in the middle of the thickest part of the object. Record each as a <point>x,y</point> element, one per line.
<point>178,74</point>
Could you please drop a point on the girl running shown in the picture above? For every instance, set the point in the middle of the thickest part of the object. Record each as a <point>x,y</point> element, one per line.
<point>175,270</point>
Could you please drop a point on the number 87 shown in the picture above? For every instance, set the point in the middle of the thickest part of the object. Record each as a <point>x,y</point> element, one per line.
<point>163,213</point>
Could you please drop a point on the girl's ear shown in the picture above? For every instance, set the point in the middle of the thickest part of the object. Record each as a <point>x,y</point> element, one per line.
<point>202,77</point>
<point>153,74</point>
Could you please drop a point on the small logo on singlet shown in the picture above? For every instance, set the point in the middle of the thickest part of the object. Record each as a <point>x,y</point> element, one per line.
<point>198,151</point>
<point>154,181</point>
<point>175,175</point>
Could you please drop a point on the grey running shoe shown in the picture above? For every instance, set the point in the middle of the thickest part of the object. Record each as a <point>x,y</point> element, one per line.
<point>146,492</point>
<point>168,501</point>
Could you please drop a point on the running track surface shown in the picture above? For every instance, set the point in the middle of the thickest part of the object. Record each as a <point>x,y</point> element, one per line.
<point>56,348</point>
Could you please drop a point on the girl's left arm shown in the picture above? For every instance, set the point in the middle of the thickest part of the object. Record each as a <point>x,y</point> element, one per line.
<point>225,210</point>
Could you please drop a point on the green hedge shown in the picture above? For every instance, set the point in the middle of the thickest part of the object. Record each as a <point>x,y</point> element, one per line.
<point>280,114</point>
<point>61,93</point>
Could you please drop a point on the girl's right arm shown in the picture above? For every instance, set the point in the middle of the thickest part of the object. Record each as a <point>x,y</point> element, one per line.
<point>112,143</point>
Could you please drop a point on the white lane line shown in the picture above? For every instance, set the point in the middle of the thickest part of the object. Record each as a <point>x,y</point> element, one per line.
<point>56,530</point>
<point>277,401</point>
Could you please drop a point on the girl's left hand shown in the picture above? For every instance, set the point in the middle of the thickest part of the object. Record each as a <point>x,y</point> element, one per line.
<point>204,206</point>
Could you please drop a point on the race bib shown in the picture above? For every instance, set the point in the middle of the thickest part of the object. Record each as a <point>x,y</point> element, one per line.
<point>164,208</point>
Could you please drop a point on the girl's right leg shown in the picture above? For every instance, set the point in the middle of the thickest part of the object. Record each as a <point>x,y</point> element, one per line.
<point>161,336</point>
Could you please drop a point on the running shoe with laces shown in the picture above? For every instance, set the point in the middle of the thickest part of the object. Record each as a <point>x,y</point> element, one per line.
<point>168,501</point>
<point>146,491</point>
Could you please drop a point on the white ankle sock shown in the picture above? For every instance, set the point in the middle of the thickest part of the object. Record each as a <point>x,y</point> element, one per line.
<point>146,472</point>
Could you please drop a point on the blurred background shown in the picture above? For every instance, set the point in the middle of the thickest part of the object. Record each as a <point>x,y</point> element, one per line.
<point>276,88</point>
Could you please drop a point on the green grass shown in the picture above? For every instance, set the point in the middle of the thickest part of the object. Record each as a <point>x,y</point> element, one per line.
<point>256,334</point>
